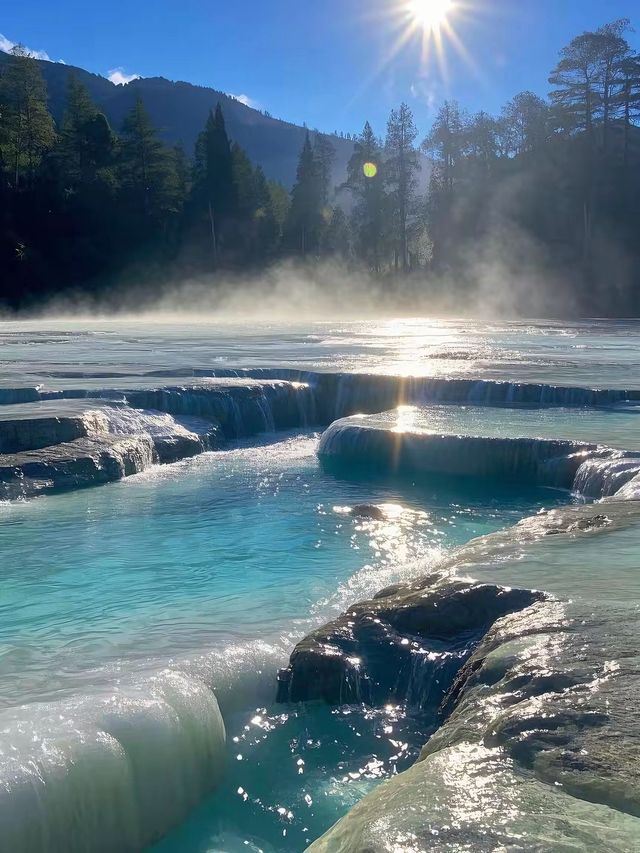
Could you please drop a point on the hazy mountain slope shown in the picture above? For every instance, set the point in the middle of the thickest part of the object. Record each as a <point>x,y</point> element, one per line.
<point>180,110</point>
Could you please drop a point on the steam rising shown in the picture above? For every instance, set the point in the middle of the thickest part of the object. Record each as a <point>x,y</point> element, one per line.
<point>507,276</point>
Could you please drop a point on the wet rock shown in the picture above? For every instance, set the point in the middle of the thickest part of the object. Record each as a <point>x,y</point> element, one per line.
<point>74,465</point>
<point>35,433</point>
<point>408,642</point>
<point>367,511</point>
<point>10,396</point>
<point>538,750</point>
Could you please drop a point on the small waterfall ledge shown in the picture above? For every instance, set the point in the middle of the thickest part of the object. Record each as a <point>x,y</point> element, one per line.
<point>79,437</point>
<point>50,437</point>
<point>419,442</point>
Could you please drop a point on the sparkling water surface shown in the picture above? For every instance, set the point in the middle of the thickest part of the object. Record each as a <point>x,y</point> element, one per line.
<point>595,353</point>
<point>256,542</point>
<point>253,543</point>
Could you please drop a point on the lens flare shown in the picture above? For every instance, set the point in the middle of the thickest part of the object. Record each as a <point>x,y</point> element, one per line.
<point>370,170</point>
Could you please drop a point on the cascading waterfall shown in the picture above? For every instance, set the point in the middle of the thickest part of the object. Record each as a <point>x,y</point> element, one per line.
<point>338,395</point>
<point>588,469</point>
<point>538,462</point>
<point>606,474</point>
<point>109,772</point>
<point>117,768</point>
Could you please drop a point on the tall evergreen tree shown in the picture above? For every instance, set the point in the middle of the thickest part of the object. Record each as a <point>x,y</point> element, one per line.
<point>214,189</point>
<point>365,182</point>
<point>401,167</point>
<point>613,50</point>
<point>324,153</point>
<point>27,130</point>
<point>267,227</point>
<point>305,221</point>
<point>629,100</point>
<point>87,145</point>
<point>147,172</point>
<point>524,124</point>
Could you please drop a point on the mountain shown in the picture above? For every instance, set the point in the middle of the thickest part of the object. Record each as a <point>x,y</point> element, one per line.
<point>179,110</point>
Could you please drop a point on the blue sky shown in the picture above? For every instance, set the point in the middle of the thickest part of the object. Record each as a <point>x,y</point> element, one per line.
<point>326,62</point>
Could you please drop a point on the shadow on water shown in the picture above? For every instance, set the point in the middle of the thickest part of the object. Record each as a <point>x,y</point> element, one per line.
<point>450,490</point>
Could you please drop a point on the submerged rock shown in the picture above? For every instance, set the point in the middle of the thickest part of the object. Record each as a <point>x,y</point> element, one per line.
<point>367,511</point>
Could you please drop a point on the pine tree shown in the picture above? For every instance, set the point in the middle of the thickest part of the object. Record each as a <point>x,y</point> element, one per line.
<point>365,182</point>
<point>629,99</point>
<point>304,222</point>
<point>147,171</point>
<point>87,145</point>
<point>401,167</point>
<point>267,227</point>
<point>215,190</point>
<point>27,129</point>
<point>524,124</point>
<point>243,179</point>
<point>445,143</point>
<point>588,79</point>
<point>324,153</point>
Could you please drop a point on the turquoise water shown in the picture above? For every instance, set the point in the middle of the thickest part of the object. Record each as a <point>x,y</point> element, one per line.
<point>293,772</point>
<point>132,602</point>
<point>239,545</point>
<point>188,567</point>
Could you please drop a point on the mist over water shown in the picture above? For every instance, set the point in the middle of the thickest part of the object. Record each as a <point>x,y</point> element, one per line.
<point>507,278</point>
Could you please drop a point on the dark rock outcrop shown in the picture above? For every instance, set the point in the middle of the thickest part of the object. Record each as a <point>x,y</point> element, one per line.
<point>405,644</point>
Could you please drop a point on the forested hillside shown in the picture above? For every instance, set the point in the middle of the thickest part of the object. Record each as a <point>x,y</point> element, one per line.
<point>179,111</point>
<point>543,200</point>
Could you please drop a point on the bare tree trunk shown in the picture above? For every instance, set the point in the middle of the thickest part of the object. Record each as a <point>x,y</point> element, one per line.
<point>214,241</point>
<point>627,122</point>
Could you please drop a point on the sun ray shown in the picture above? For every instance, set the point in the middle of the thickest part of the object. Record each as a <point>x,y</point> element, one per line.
<point>431,26</point>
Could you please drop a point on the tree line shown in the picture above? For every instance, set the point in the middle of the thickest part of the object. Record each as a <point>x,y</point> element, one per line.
<point>83,206</point>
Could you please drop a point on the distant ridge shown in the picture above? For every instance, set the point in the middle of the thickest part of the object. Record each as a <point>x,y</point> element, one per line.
<point>179,110</point>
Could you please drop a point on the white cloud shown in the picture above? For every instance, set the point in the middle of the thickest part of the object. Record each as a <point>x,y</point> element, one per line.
<point>428,92</point>
<point>120,77</point>
<point>6,46</point>
<point>246,100</point>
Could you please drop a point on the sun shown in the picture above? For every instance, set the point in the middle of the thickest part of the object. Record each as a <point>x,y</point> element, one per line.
<point>430,14</point>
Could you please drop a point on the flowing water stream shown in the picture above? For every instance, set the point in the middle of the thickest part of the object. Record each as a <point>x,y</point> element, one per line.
<point>123,607</point>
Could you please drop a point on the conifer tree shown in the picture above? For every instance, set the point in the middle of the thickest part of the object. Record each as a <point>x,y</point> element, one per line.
<point>401,167</point>
<point>147,170</point>
<point>305,221</point>
<point>87,145</point>
<point>267,227</point>
<point>27,130</point>
<point>324,154</point>
<point>214,186</point>
<point>365,182</point>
